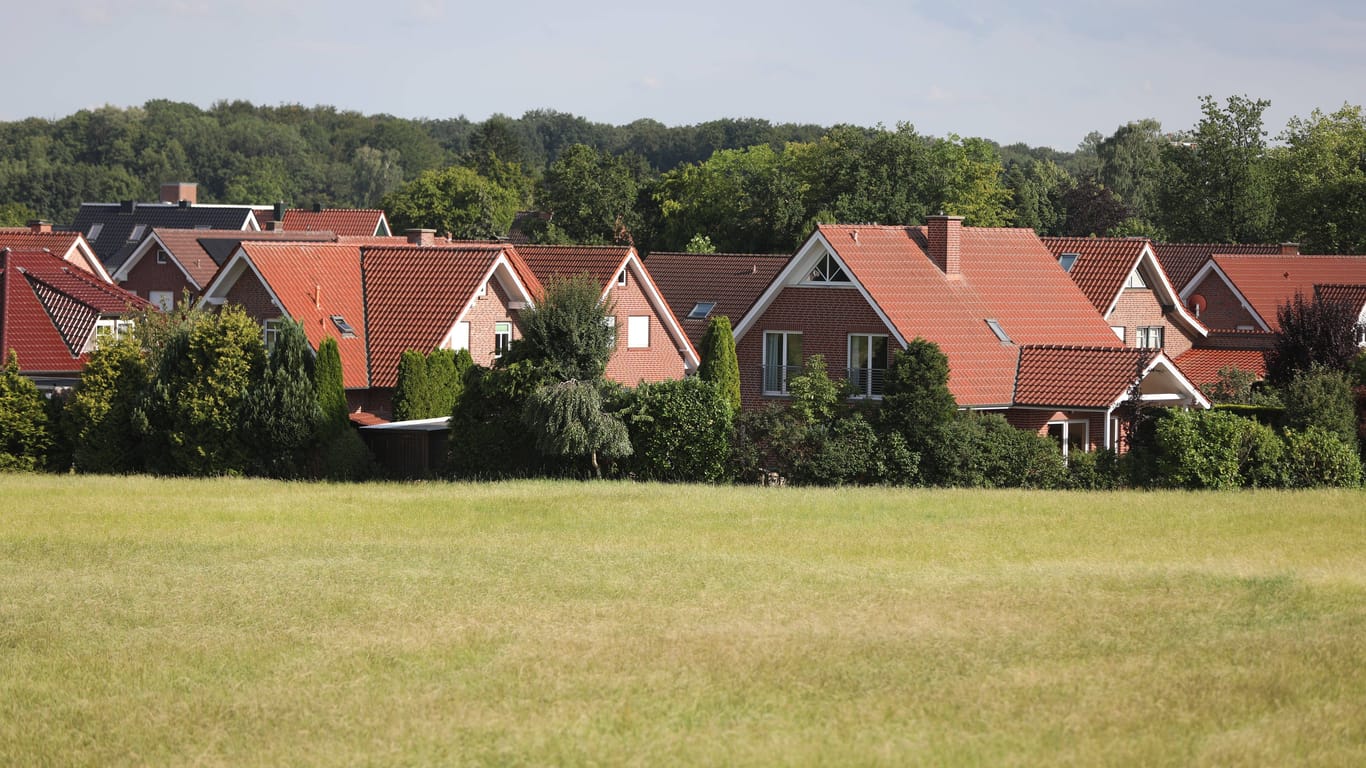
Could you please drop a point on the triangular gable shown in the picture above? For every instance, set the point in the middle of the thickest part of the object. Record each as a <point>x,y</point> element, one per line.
<point>1166,292</point>
<point>74,319</point>
<point>1211,267</point>
<point>1157,389</point>
<point>148,244</point>
<point>660,306</point>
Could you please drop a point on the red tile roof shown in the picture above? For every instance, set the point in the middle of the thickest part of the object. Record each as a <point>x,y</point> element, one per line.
<point>1006,275</point>
<point>48,310</point>
<point>1102,265</point>
<point>61,244</point>
<point>314,282</point>
<point>1079,377</point>
<point>1182,260</point>
<point>732,281</point>
<point>1354,296</point>
<point>1202,366</point>
<point>350,222</point>
<point>413,296</point>
<point>200,252</point>
<point>600,262</point>
<point>1267,282</point>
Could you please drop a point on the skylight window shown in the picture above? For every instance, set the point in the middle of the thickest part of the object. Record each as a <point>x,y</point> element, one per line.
<point>701,309</point>
<point>137,233</point>
<point>94,232</point>
<point>1067,260</point>
<point>347,331</point>
<point>996,329</point>
<point>827,270</point>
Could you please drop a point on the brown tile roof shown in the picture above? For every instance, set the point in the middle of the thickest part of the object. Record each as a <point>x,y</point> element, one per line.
<point>1007,275</point>
<point>1080,377</point>
<point>314,282</point>
<point>1102,264</point>
<point>733,281</point>
<point>350,222</point>
<point>600,262</point>
<point>1182,260</point>
<point>1353,296</point>
<point>1202,366</point>
<point>1267,282</point>
<point>413,296</point>
<point>48,309</point>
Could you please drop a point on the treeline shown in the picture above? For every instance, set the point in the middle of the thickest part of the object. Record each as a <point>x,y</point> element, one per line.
<point>728,185</point>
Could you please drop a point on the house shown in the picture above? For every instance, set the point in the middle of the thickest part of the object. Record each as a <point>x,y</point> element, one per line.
<point>114,230</point>
<point>1125,282</point>
<point>170,263</point>
<point>651,345</point>
<point>1239,292</point>
<point>348,222</point>
<point>53,313</point>
<point>1182,260</point>
<point>1020,336</point>
<point>70,247</point>
<point>699,286</point>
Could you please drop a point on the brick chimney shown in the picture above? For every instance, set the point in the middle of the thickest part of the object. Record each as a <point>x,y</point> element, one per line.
<point>180,192</point>
<point>421,236</point>
<point>945,235</point>
<point>39,227</point>
<point>275,226</point>
<point>1290,249</point>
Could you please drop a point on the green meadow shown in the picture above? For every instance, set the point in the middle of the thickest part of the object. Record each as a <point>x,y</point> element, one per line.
<point>244,623</point>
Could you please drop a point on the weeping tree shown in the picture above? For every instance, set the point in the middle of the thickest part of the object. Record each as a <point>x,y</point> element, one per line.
<point>567,333</point>
<point>568,421</point>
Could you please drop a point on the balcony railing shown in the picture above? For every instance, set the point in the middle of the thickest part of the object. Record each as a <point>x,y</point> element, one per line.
<point>777,376</point>
<point>867,382</point>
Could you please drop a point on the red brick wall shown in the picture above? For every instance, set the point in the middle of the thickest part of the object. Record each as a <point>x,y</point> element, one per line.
<point>1037,422</point>
<point>488,309</point>
<point>379,401</point>
<point>661,360</point>
<point>147,276</point>
<point>1139,307</point>
<point>824,316</point>
<point>251,295</point>
<point>1222,308</point>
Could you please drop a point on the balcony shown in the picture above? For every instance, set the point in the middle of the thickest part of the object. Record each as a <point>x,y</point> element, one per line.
<point>777,376</point>
<point>867,382</point>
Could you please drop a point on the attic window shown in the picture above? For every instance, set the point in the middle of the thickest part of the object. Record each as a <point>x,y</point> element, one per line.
<point>94,232</point>
<point>1067,260</point>
<point>621,277</point>
<point>701,309</point>
<point>1135,280</point>
<point>347,331</point>
<point>827,270</point>
<point>137,233</point>
<point>996,329</point>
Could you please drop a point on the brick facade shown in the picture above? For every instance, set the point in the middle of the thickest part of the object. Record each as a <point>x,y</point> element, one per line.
<point>489,309</point>
<point>1037,421</point>
<point>1139,307</point>
<point>147,276</point>
<point>1222,308</point>
<point>251,295</point>
<point>824,316</point>
<point>661,360</point>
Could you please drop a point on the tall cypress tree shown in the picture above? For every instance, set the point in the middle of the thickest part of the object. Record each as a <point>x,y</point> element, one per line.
<point>343,455</point>
<point>282,413</point>
<point>443,382</point>
<point>719,363</point>
<point>412,393</point>
<point>328,385</point>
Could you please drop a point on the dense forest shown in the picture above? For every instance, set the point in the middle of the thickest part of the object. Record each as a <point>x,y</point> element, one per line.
<point>727,185</point>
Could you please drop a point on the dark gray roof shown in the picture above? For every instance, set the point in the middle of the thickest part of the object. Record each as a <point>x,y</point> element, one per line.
<point>118,220</point>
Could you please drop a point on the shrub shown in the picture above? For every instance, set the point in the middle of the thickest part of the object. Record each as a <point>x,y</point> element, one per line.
<point>488,438</point>
<point>282,415</point>
<point>99,413</point>
<point>412,391</point>
<point>680,431</point>
<point>1198,450</point>
<point>1321,397</point>
<point>985,451</point>
<point>916,400</point>
<point>24,434</point>
<point>1094,470</point>
<point>1317,457</point>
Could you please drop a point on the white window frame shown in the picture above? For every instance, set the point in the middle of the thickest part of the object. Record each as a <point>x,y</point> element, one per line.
<point>826,270</point>
<point>138,231</point>
<point>162,258</point>
<point>94,234</point>
<point>1119,331</point>
<point>621,277</point>
<point>270,332</point>
<point>849,368</point>
<point>1066,434</point>
<point>786,362</point>
<point>1135,280</point>
<point>112,328</point>
<point>501,330</point>
<point>165,300</point>
<point>1143,336</point>
<point>637,331</point>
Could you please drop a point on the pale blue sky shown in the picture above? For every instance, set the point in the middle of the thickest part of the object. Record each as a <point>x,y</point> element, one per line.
<point>1004,70</point>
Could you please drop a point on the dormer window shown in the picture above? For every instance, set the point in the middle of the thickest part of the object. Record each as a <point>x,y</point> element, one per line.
<point>827,270</point>
<point>347,332</point>
<point>1067,260</point>
<point>1135,280</point>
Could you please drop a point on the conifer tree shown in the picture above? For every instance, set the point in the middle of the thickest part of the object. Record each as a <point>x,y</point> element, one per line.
<point>282,413</point>
<point>412,393</point>
<point>24,434</point>
<point>719,362</point>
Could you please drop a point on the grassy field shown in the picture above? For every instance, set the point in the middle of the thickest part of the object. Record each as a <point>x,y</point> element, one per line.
<point>256,623</point>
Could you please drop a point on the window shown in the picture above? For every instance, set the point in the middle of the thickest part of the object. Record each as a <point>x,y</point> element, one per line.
<point>111,329</point>
<point>502,338</point>
<point>701,309</point>
<point>1119,331</point>
<point>1361,334</point>
<point>136,234</point>
<point>611,322</point>
<point>637,331</point>
<point>161,256</point>
<point>782,360</point>
<point>827,270</point>
<point>1071,435</point>
<point>1135,280</point>
<point>867,364</point>
<point>270,333</point>
<point>998,330</point>
<point>347,332</point>
<point>165,300</point>
<point>94,233</point>
<point>1149,337</point>
<point>621,277</point>
<point>1067,260</point>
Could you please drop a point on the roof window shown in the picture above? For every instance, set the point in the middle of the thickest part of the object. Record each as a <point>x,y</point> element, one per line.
<point>94,232</point>
<point>347,331</point>
<point>996,329</point>
<point>1067,260</point>
<point>136,234</point>
<point>701,310</point>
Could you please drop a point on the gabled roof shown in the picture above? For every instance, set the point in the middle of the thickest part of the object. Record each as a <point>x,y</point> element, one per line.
<point>1202,366</point>
<point>1103,264</point>
<point>414,295</point>
<point>1007,275</point>
<point>1079,377</point>
<point>200,253</point>
<point>117,223</point>
<point>1354,296</point>
<point>730,281</point>
<point>312,283</point>
<point>351,222</point>
<point>48,310</point>
<point>1267,282</point>
<point>69,246</point>
<point>1182,260</point>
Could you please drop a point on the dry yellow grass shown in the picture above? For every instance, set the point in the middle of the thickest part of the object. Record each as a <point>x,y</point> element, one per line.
<point>254,623</point>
